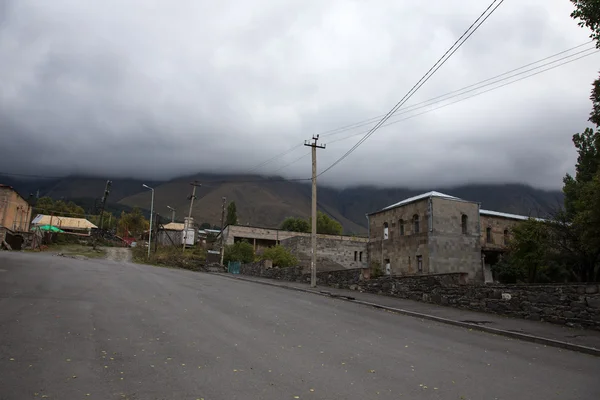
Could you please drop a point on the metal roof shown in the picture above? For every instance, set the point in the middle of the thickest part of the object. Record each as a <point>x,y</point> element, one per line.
<point>63,222</point>
<point>417,198</point>
<point>506,215</point>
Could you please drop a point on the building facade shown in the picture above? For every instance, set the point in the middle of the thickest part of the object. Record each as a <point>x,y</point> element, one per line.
<point>334,252</point>
<point>15,211</point>
<point>436,233</point>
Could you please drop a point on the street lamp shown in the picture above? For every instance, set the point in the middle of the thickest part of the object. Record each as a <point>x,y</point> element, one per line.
<point>172,213</point>
<point>151,212</point>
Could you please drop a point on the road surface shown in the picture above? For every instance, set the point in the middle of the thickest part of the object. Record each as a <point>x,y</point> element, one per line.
<point>77,329</point>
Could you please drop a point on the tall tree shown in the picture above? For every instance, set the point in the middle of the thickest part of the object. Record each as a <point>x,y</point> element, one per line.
<point>133,223</point>
<point>588,14</point>
<point>327,225</point>
<point>293,224</point>
<point>232,218</point>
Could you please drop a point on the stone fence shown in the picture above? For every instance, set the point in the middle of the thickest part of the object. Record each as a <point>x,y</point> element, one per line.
<point>568,304</point>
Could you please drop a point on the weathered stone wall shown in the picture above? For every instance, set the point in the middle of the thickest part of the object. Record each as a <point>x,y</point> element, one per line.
<point>450,249</point>
<point>401,248</point>
<point>499,226</point>
<point>572,305</point>
<point>332,254</point>
<point>576,305</point>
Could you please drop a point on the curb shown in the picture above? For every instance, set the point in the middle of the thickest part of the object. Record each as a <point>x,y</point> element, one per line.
<point>514,335</point>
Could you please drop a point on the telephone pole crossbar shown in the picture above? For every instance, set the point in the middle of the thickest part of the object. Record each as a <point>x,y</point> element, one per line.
<point>313,234</point>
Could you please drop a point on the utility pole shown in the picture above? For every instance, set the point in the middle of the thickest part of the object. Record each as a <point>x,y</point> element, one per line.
<point>192,197</point>
<point>104,198</point>
<point>313,233</point>
<point>222,237</point>
<point>172,213</point>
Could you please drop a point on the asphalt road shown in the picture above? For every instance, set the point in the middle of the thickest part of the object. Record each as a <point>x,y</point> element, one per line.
<point>73,329</point>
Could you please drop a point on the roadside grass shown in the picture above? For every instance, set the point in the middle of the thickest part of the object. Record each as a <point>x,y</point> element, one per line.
<point>170,257</point>
<point>77,250</point>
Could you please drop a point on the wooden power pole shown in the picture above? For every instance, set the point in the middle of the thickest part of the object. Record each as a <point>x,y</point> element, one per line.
<point>222,250</point>
<point>313,232</point>
<point>192,197</point>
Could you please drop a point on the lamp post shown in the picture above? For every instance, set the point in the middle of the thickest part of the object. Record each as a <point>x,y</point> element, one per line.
<point>172,213</point>
<point>151,212</point>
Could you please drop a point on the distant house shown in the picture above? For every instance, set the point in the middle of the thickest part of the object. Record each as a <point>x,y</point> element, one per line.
<point>67,224</point>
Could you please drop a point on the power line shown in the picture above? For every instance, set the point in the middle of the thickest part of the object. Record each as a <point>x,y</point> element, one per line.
<point>459,92</point>
<point>473,95</point>
<point>359,124</point>
<point>457,45</point>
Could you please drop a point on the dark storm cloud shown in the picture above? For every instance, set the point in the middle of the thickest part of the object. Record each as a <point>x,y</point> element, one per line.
<point>156,89</point>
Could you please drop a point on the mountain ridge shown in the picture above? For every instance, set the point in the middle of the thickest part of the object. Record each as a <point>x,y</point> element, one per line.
<point>266,201</point>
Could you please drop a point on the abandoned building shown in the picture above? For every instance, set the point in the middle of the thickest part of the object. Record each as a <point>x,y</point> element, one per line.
<point>334,252</point>
<point>15,214</point>
<point>436,233</point>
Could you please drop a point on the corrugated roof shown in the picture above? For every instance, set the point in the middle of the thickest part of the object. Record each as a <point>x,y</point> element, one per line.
<point>417,198</point>
<point>63,222</point>
<point>506,215</point>
<point>212,230</point>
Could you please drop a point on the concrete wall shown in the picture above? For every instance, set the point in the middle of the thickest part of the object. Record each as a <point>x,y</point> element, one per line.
<point>451,249</point>
<point>15,212</point>
<point>332,253</point>
<point>401,250</point>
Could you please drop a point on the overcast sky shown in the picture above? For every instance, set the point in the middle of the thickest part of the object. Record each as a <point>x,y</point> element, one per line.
<point>156,89</point>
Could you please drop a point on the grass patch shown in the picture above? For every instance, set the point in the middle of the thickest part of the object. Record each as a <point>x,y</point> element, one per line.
<point>77,250</point>
<point>171,256</point>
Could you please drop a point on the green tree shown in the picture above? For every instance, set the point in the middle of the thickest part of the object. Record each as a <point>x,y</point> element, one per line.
<point>293,224</point>
<point>232,218</point>
<point>46,205</point>
<point>109,221</point>
<point>133,223</point>
<point>280,256</point>
<point>327,225</point>
<point>205,225</point>
<point>240,251</point>
<point>528,253</point>
<point>588,14</point>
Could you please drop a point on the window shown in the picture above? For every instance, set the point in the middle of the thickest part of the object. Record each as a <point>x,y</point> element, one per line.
<point>386,231</point>
<point>488,234</point>
<point>420,263</point>
<point>401,226</point>
<point>355,255</point>
<point>464,220</point>
<point>388,266</point>
<point>415,223</point>
<point>506,236</point>
<point>360,256</point>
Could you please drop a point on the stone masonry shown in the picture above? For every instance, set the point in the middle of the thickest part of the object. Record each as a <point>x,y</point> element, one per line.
<point>571,305</point>
<point>332,254</point>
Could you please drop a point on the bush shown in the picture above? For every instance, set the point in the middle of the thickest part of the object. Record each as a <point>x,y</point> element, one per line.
<point>240,251</point>
<point>280,256</point>
<point>376,270</point>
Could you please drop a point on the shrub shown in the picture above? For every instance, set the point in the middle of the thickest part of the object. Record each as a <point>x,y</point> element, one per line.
<point>240,251</point>
<point>280,256</point>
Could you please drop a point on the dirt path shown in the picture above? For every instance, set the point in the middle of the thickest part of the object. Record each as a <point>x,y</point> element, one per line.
<point>119,254</point>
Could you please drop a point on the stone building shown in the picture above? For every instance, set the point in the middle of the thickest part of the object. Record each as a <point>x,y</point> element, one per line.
<point>435,233</point>
<point>334,252</point>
